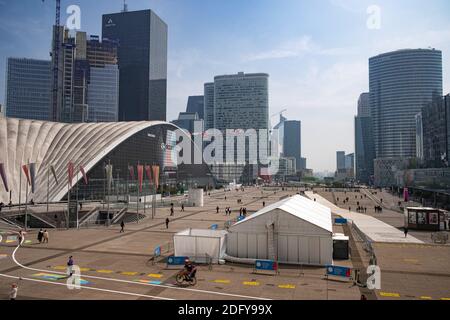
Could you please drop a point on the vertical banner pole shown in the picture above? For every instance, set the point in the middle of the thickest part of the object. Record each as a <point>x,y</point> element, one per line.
<point>48,185</point>
<point>20,189</point>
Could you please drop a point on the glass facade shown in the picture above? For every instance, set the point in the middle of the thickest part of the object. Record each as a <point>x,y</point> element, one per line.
<point>434,132</point>
<point>153,146</point>
<point>28,89</point>
<point>142,55</point>
<point>293,141</point>
<point>400,83</point>
<point>196,105</point>
<point>209,105</point>
<point>103,94</point>
<point>364,148</point>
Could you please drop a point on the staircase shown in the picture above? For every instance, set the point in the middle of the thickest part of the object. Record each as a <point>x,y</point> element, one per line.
<point>119,216</point>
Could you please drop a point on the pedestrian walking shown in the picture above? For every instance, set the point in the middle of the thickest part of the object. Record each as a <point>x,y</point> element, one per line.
<point>81,206</point>
<point>406,232</point>
<point>40,235</point>
<point>21,236</point>
<point>171,211</point>
<point>264,203</point>
<point>182,207</point>
<point>45,235</point>
<point>122,227</point>
<point>70,265</point>
<point>13,292</point>
<point>167,223</point>
<point>217,209</point>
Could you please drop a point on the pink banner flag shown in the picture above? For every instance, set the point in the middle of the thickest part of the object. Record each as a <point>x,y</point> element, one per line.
<point>3,175</point>
<point>70,168</point>
<point>131,169</point>
<point>27,173</point>
<point>406,194</point>
<point>148,171</point>
<point>140,169</point>
<point>83,172</point>
<point>155,170</point>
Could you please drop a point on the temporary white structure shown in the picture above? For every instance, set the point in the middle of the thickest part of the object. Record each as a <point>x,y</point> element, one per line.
<point>295,230</point>
<point>200,245</point>
<point>195,198</point>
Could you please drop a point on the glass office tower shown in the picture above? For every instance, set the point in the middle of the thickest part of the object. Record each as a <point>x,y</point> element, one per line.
<point>28,89</point>
<point>400,83</point>
<point>142,53</point>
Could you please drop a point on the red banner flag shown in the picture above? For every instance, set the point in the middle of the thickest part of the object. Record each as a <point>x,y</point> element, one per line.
<point>27,173</point>
<point>131,169</point>
<point>85,178</point>
<point>148,170</point>
<point>140,169</point>
<point>70,173</point>
<point>3,175</point>
<point>155,170</point>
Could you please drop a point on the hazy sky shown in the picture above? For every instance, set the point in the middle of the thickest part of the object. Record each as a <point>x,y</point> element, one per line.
<point>316,52</point>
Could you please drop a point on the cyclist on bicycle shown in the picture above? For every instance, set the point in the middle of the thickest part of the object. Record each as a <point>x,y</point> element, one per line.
<point>189,269</point>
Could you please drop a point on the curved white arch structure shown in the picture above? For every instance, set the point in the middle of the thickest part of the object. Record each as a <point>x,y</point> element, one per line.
<point>50,143</point>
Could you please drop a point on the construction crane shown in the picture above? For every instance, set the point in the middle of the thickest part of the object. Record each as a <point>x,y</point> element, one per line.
<point>55,54</point>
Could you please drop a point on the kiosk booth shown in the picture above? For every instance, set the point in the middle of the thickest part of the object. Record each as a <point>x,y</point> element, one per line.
<point>428,219</point>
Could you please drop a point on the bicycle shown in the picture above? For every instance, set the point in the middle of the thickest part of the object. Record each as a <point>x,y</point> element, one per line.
<point>182,277</point>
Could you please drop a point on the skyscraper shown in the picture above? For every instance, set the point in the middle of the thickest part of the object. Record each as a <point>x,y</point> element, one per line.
<point>364,148</point>
<point>142,37</point>
<point>209,105</point>
<point>104,80</point>
<point>434,133</point>
<point>239,102</point>
<point>292,145</point>
<point>88,79</point>
<point>400,82</point>
<point>196,105</point>
<point>28,89</point>
<point>340,160</point>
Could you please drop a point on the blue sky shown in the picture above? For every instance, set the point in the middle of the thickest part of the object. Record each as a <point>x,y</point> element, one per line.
<point>316,51</point>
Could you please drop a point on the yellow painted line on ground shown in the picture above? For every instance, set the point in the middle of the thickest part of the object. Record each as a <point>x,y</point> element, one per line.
<point>446,299</point>
<point>411,260</point>
<point>59,268</point>
<point>251,283</point>
<point>426,298</point>
<point>389,294</point>
<point>105,271</point>
<point>222,281</point>
<point>155,275</point>
<point>286,286</point>
<point>85,269</point>
<point>11,241</point>
<point>129,273</point>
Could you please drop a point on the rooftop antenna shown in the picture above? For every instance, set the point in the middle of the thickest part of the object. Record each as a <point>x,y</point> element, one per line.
<point>125,6</point>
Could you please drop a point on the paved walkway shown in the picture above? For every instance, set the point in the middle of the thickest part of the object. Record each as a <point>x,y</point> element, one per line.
<point>375,229</point>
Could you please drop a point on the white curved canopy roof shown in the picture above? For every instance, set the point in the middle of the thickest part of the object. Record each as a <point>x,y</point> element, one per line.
<point>50,143</point>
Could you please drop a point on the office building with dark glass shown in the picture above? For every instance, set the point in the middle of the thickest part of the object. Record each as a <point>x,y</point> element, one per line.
<point>400,83</point>
<point>142,55</point>
<point>364,148</point>
<point>28,89</point>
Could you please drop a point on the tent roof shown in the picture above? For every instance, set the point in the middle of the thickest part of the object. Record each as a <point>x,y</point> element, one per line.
<point>302,208</point>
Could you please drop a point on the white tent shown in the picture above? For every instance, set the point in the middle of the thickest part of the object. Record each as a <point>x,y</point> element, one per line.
<point>200,245</point>
<point>295,230</point>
